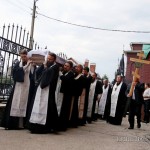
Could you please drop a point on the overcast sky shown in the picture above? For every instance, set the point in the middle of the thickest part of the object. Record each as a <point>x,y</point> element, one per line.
<point>101,47</point>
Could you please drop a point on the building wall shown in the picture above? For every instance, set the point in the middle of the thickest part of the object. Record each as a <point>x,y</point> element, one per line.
<point>144,70</point>
<point>137,46</point>
<point>92,67</point>
<point>86,64</point>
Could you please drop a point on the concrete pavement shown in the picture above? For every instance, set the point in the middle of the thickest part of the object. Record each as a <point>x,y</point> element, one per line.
<point>96,136</point>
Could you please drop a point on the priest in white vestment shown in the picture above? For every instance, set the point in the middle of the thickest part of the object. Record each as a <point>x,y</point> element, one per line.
<point>104,104</point>
<point>16,108</point>
<point>94,97</point>
<point>44,115</point>
<point>118,101</point>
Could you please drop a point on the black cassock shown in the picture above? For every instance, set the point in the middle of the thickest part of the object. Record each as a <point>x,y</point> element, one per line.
<point>88,81</point>
<point>78,85</point>
<point>67,90</point>
<point>117,120</point>
<point>47,77</point>
<point>11,122</point>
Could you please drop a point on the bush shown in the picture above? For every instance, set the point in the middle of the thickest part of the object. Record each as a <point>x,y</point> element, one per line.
<point>5,80</point>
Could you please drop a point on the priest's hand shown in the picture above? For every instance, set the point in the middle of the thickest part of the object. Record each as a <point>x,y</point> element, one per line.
<point>134,83</point>
<point>29,62</point>
<point>129,95</point>
<point>45,62</point>
<point>33,64</point>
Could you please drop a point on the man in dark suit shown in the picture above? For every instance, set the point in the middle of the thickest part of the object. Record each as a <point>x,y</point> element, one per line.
<point>136,101</point>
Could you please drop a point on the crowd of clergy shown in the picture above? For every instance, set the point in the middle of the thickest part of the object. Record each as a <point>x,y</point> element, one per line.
<point>51,98</point>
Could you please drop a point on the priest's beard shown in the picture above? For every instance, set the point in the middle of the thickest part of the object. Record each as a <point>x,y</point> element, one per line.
<point>85,75</point>
<point>118,83</point>
<point>64,72</point>
<point>105,86</point>
<point>49,64</point>
<point>76,74</point>
<point>24,63</point>
<point>93,80</point>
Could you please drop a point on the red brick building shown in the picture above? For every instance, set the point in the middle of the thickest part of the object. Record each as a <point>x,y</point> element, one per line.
<point>92,66</point>
<point>144,70</point>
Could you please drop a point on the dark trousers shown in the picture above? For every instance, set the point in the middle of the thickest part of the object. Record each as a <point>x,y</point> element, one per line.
<point>74,114</point>
<point>146,110</point>
<point>134,110</point>
<point>65,112</point>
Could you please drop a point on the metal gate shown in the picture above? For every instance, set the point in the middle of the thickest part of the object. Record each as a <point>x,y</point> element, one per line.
<point>12,40</point>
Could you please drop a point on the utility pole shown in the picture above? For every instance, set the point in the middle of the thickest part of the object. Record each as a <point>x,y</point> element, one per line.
<point>32,25</point>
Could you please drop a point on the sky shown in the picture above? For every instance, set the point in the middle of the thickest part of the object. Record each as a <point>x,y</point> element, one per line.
<point>104,48</point>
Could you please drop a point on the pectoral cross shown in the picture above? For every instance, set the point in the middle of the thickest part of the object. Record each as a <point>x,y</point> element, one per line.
<point>138,64</point>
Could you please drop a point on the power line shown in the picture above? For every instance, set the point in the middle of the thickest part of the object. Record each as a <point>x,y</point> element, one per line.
<point>90,27</point>
<point>28,1</point>
<point>18,6</point>
<point>24,4</point>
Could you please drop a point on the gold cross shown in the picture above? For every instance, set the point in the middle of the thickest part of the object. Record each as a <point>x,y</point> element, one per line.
<point>138,63</point>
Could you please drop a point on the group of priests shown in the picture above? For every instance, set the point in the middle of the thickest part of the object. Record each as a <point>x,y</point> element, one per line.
<point>50,98</point>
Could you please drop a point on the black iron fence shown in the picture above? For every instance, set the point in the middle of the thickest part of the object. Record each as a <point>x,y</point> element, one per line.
<point>12,40</point>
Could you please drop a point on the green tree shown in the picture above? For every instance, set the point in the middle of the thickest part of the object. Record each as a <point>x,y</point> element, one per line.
<point>105,77</point>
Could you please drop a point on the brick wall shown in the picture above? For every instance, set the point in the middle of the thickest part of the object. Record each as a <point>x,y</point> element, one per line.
<point>144,70</point>
<point>86,64</point>
<point>137,46</point>
<point>92,67</point>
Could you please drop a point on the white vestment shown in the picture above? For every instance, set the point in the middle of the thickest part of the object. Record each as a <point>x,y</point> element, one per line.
<point>20,96</point>
<point>58,95</point>
<point>81,103</point>
<point>91,98</point>
<point>39,111</point>
<point>114,99</point>
<point>102,103</point>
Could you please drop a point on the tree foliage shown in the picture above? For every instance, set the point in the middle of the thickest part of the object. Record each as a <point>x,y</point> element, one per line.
<point>105,77</point>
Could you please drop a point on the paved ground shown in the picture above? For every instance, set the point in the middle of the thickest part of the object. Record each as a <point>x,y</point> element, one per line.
<point>96,136</point>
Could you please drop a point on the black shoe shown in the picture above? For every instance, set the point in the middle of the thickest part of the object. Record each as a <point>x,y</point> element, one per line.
<point>62,129</point>
<point>89,121</point>
<point>130,128</point>
<point>146,122</point>
<point>139,125</point>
